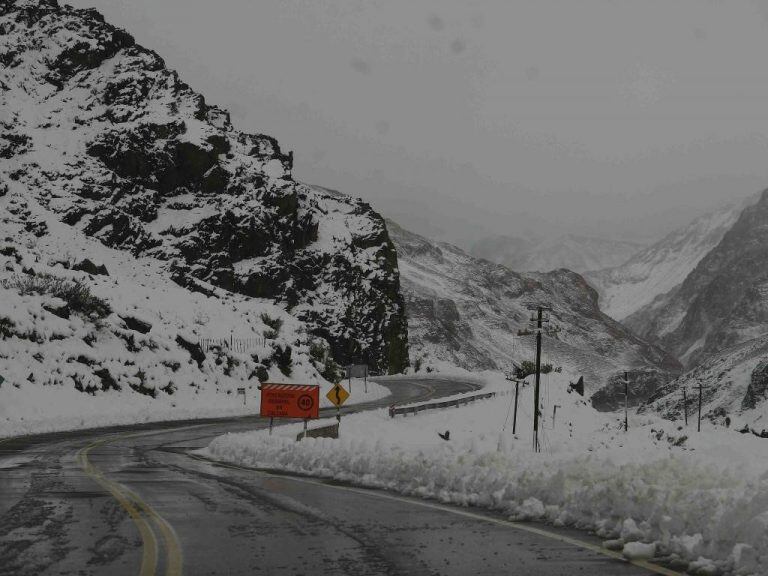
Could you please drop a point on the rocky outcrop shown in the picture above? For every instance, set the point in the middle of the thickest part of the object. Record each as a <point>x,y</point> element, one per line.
<point>643,385</point>
<point>118,146</point>
<point>757,391</point>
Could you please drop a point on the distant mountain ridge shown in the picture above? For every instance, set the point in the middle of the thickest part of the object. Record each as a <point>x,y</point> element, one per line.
<point>468,311</point>
<point>659,268</point>
<point>572,251</point>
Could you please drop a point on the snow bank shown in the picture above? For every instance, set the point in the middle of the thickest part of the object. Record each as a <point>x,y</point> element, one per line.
<point>699,502</point>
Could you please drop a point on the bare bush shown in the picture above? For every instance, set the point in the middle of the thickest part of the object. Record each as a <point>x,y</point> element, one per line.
<point>76,294</point>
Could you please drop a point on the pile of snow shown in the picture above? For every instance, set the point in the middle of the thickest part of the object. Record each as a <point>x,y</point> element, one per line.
<point>695,501</point>
<point>63,369</point>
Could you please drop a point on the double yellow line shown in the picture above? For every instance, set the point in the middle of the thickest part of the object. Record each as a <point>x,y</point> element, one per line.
<point>142,514</point>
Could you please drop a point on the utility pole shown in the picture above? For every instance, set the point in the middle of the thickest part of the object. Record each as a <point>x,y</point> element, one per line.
<point>539,319</point>
<point>514,418</point>
<point>626,401</point>
<point>685,406</point>
<point>700,387</point>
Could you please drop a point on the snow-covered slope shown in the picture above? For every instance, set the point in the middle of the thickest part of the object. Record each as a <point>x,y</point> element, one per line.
<point>116,341</point>
<point>722,302</point>
<point>98,132</point>
<point>571,251</point>
<point>468,312</point>
<point>735,386</point>
<point>657,269</point>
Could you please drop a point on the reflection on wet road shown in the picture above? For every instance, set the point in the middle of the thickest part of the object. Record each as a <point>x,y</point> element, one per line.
<point>130,500</point>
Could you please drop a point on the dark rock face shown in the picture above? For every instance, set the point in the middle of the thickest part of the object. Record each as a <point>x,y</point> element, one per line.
<point>137,324</point>
<point>90,268</point>
<point>721,303</point>
<point>148,167</point>
<point>644,385</point>
<point>757,391</point>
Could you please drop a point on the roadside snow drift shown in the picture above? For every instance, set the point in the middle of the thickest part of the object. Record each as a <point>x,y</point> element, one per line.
<point>695,501</point>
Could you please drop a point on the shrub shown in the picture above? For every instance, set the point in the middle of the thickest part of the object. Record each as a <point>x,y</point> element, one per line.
<point>283,358</point>
<point>270,334</point>
<point>317,351</point>
<point>527,367</point>
<point>274,323</point>
<point>76,294</point>
<point>332,371</point>
<point>6,327</point>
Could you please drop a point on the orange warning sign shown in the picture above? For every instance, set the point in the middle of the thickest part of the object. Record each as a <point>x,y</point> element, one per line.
<point>290,401</point>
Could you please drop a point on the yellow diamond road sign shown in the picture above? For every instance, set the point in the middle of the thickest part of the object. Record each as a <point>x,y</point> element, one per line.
<point>337,395</point>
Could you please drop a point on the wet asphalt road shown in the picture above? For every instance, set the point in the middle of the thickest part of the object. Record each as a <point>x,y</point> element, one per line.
<point>130,500</point>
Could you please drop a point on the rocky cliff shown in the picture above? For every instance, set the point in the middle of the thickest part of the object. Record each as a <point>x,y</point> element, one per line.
<point>722,302</point>
<point>96,130</point>
<point>663,266</point>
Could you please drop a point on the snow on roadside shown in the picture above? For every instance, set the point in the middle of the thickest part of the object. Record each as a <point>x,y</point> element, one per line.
<point>698,501</point>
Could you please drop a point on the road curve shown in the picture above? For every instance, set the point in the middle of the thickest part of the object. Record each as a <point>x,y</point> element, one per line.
<point>131,500</point>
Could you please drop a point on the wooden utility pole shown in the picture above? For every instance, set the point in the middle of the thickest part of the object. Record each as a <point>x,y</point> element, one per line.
<point>626,401</point>
<point>538,319</point>
<point>685,406</point>
<point>539,322</point>
<point>554,413</point>
<point>700,387</point>
<point>514,418</point>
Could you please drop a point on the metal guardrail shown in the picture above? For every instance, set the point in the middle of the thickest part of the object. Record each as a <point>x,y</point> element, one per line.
<point>330,431</point>
<point>456,402</point>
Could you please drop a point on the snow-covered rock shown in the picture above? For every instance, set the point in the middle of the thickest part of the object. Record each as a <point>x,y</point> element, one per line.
<point>98,132</point>
<point>735,389</point>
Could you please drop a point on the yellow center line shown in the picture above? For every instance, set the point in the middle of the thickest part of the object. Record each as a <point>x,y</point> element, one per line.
<point>651,567</point>
<point>149,542</point>
<point>134,505</point>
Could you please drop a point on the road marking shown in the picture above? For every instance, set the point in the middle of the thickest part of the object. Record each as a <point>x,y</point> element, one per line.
<point>651,567</point>
<point>135,506</point>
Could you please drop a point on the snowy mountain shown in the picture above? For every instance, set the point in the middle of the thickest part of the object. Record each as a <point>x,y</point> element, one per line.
<point>468,312</point>
<point>96,133</point>
<point>722,302</point>
<point>571,251</point>
<point>661,267</point>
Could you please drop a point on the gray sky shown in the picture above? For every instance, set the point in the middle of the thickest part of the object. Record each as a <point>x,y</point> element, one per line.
<point>463,118</point>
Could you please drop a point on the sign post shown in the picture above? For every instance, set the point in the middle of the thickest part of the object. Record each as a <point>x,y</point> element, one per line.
<point>289,401</point>
<point>337,396</point>
<point>356,371</point>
